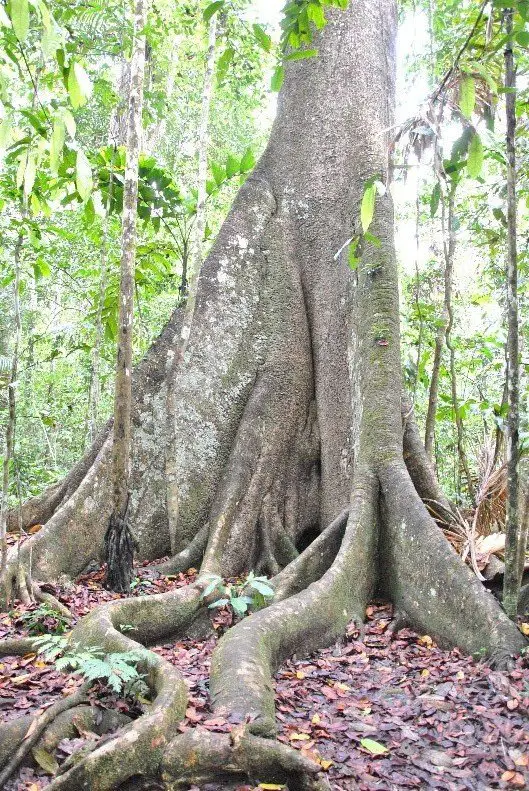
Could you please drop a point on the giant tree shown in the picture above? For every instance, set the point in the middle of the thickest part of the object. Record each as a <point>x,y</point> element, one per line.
<point>289,418</point>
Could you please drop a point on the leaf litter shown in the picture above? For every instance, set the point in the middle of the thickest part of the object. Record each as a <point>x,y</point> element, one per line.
<point>379,714</point>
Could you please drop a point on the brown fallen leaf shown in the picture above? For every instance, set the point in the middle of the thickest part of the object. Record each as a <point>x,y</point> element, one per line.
<point>514,779</point>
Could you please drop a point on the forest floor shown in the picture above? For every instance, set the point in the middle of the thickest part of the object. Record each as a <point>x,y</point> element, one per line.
<point>376,714</point>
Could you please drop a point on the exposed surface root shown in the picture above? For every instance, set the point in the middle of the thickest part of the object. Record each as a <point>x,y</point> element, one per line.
<point>247,656</point>
<point>190,557</point>
<point>313,562</point>
<point>66,725</point>
<point>200,756</point>
<point>17,646</point>
<point>424,576</point>
<point>144,740</point>
<point>37,728</point>
<point>48,598</point>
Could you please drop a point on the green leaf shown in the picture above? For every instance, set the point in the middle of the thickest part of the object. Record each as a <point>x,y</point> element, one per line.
<point>5,133</point>
<point>57,144</point>
<point>239,604</point>
<point>262,38</point>
<point>278,77</point>
<point>248,161</point>
<point>316,14</point>
<point>353,258</point>
<point>218,603</point>
<point>522,38</point>
<point>367,209</point>
<point>69,123</point>
<point>302,54</point>
<point>212,9</point>
<point>224,62</point>
<point>434,200</point>
<point>475,157</point>
<point>232,166</point>
<point>29,173</point>
<point>263,588</point>
<point>79,85</point>
<point>375,748</point>
<point>219,173</point>
<point>51,40</point>
<point>467,96</point>
<point>89,211</point>
<point>83,176</point>
<point>19,13</point>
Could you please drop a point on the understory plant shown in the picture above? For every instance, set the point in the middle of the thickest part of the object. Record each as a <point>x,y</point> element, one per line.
<point>118,670</point>
<point>252,592</point>
<point>43,619</point>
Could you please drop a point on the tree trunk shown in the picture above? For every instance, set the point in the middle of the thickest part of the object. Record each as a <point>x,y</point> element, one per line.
<point>514,543</point>
<point>288,413</point>
<point>195,263</point>
<point>119,545</point>
<point>12,415</point>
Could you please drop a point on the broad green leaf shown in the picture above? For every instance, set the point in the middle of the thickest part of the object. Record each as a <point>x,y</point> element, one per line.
<point>224,62</point>
<point>277,78</point>
<point>21,169</point>
<point>29,173</point>
<point>523,9</point>
<point>248,161</point>
<point>5,133</point>
<point>302,54</point>
<point>263,588</point>
<point>34,203</point>
<point>219,173</point>
<point>475,157</point>
<point>51,40</point>
<point>57,144</point>
<point>89,211</point>
<point>375,748</point>
<point>79,85</point>
<point>522,38</point>
<point>69,123</point>
<point>262,38</point>
<point>44,13</point>
<point>232,166</point>
<point>367,209</point>
<point>19,13</point>
<point>212,9</point>
<point>434,200</point>
<point>316,14</point>
<point>83,176</point>
<point>353,259</point>
<point>239,604</point>
<point>467,96</point>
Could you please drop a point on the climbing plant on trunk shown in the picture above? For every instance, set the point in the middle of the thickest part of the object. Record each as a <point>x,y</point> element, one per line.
<point>292,457</point>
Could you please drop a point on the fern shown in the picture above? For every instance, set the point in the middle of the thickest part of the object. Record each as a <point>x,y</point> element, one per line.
<point>117,670</point>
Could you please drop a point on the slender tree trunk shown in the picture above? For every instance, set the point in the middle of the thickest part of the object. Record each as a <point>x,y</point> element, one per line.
<point>118,540</point>
<point>191,271</point>
<point>11,420</point>
<point>449,248</point>
<point>516,537</point>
